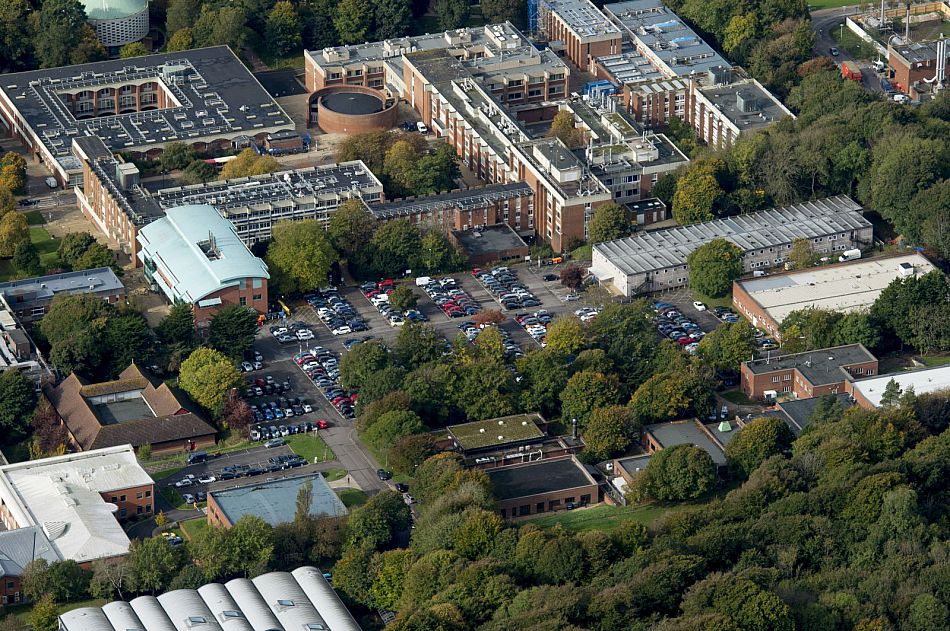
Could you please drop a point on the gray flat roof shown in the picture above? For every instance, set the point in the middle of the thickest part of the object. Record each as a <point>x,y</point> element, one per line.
<point>497,238</point>
<point>686,433</point>
<point>216,96</point>
<point>820,367</point>
<point>670,247</point>
<point>121,411</point>
<point>275,502</point>
<point>844,287</point>
<point>91,281</point>
<point>545,476</point>
<point>630,66</point>
<point>634,465</point>
<point>662,32</point>
<point>464,199</point>
<point>922,381</point>
<point>797,413</point>
<point>747,105</point>
<point>583,18</point>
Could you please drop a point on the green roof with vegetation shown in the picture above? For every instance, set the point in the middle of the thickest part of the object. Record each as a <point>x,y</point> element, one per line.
<point>497,431</point>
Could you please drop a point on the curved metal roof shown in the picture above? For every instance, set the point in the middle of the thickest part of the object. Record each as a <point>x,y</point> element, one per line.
<point>113,9</point>
<point>247,597</point>
<point>289,602</point>
<point>318,590</point>
<point>227,612</point>
<point>122,616</point>
<point>152,614</point>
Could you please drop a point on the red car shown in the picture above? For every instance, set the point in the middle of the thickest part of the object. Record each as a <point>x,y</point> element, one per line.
<point>388,282</point>
<point>322,424</point>
<point>476,271</point>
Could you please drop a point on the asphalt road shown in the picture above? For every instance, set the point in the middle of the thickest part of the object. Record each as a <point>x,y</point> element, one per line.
<point>824,22</point>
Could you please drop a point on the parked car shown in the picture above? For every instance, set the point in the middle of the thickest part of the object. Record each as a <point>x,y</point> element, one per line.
<point>383,475</point>
<point>184,482</point>
<point>206,479</point>
<point>275,442</point>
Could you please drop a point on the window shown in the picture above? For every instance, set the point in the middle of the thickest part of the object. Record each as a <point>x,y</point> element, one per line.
<point>9,584</point>
<point>138,495</point>
<point>243,301</point>
<point>138,510</point>
<point>123,513</point>
<point>786,389</point>
<point>787,378</point>
<point>775,379</point>
<point>316,626</point>
<point>286,603</point>
<point>585,499</point>
<point>121,498</point>
<point>114,499</point>
<point>148,494</point>
<point>230,613</point>
<point>540,507</point>
<point>525,510</point>
<point>258,297</point>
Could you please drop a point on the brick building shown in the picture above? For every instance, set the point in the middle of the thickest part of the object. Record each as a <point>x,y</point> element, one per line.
<point>868,392</point>
<point>129,410</point>
<point>580,29</point>
<point>29,298</point>
<point>194,255</point>
<point>686,432</point>
<point>916,63</point>
<point>542,487</point>
<point>69,508</point>
<point>806,375</point>
<point>843,287</point>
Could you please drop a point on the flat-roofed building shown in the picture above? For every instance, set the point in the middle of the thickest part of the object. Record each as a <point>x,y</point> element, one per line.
<point>843,287</point>
<point>916,64</point>
<point>30,298</point>
<point>542,486</point>
<point>722,112</point>
<point>868,392</point>
<point>495,433</point>
<point>806,375</point>
<point>301,599</point>
<point>656,260</point>
<point>584,32</point>
<point>77,500</point>
<point>686,432</point>
<point>204,97</point>
<point>194,255</point>
<point>274,501</point>
<point>798,413</point>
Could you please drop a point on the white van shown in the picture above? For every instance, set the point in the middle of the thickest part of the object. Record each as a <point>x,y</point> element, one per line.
<point>422,281</point>
<point>903,99</point>
<point>850,255</point>
<point>52,183</point>
<point>879,65</point>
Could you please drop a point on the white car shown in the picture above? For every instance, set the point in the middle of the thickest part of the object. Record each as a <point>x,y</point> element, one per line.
<point>422,127</point>
<point>699,306</point>
<point>280,331</point>
<point>184,482</point>
<point>307,408</point>
<point>342,330</point>
<point>258,365</point>
<point>247,366</point>
<point>206,479</point>
<point>304,334</point>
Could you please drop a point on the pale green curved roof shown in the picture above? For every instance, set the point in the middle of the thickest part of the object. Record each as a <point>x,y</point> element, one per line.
<point>112,9</point>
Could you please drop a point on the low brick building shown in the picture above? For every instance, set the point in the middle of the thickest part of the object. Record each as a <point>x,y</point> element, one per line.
<point>686,432</point>
<point>869,392</point>
<point>582,30</point>
<point>29,298</point>
<point>129,410</point>
<point>274,501</point>
<point>915,63</point>
<point>194,255</point>
<point>542,487</point>
<point>806,375</point>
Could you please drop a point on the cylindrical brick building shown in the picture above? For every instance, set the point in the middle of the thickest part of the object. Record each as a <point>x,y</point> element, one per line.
<point>352,109</point>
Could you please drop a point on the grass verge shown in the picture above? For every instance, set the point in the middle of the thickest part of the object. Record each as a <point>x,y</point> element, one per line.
<point>854,45</point>
<point>602,517</point>
<point>22,612</point>
<point>737,397</point>
<point>194,527</point>
<point>334,474</point>
<point>932,362</point>
<point>311,447</point>
<point>165,473</point>
<point>352,497</point>
<point>583,253</point>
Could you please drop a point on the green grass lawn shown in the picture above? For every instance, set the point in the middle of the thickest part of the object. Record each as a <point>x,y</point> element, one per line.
<point>311,447</point>
<point>737,397</point>
<point>22,612</point>
<point>602,517</point>
<point>34,218</point>
<point>195,527</point>
<point>854,45</point>
<point>45,244</point>
<point>932,362</point>
<point>725,301</point>
<point>333,474</point>
<point>174,497</point>
<point>830,4</point>
<point>583,253</point>
<point>165,473</point>
<point>352,497</point>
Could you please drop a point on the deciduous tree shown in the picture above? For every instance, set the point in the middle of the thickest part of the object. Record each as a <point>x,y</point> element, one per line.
<point>182,39</point>
<point>759,439</point>
<point>562,127</point>
<point>135,49</point>
<point>403,298</point>
<point>300,255</point>
<point>682,472</point>
<point>74,326</point>
<point>154,563</point>
<point>572,276</point>
<point>176,155</point>
<point>713,266</point>
<point>451,14</point>
<point>283,28</point>
<point>353,21</point>
<point>207,376</point>
<point>14,231</point>
<point>26,259</point>
<point>609,431</point>
<point>728,346</point>
<point>566,335</point>
<point>585,392</point>
<point>351,226</point>
<point>45,614</point>
<point>61,25</point>
<point>610,221</point>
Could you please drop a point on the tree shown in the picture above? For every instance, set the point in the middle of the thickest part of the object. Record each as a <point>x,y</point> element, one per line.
<point>745,604</point>
<point>572,276</point>
<point>15,44</point>
<point>410,451</point>
<point>399,167</point>
<point>251,544</point>
<point>926,612</point>
<point>392,426</point>
<point>478,533</point>
<point>89,47</point>
<point>181,14</point>
<point>283,28</point>
<point>395,247</point>
<point>452,14</point>
<point>198,172</point>
<point>695,198</point>
<point>48,430</point>
<point>72,246</point>
<point>74,326</point>
<point>891,395</point>
<point>566,335</point>
<point>176,155</point>
<point>14,231</point>
<point>178,327</point>
<point>182,39</point>
<point>96,256</point>
<point>26,259</point>
<point>353,20</point>
<point>351,226</point>
<point>392,18</point>
<point>376,522</point>
<point>609,222</point>
<point>61,27</point>
<point>933,207</point>
<point>13,172</point>
<point>609,431</point>
<point>226,26</point>
<point>128,339</point>
<point>713,266</point>
<point>387,584</point>
<point>45,614</point>
<point>562,127</point>
<point>759,439</point>
<point>585,392</point>
<point>304,502</point>
<point>154,563</point>
<point>497,11</point>
<point>207,376</point>
<point>678,473</point>
<point>7,200</point>
<point>249,163</point>
<point>361,364</point>
<point>543,376</point>
<point>111,577</point>
<point>236,414</point>
<point>134,49</point>
<point>161,521</point>
<point>403,298</point>
<point>418,344</point>
<point>437,170</point>
<point>488,317</point>
<point>802,254</point>
<point>232,330</point>
<point>728,346</point>
<point>300,255</point>
<point>437,254</point>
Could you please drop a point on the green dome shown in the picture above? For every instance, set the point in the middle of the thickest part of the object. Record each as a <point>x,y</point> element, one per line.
<point>113,9</point>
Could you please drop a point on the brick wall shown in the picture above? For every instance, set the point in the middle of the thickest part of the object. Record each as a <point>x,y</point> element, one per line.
<point>216,516</point>
<point>249,296</point>
<point>136,501</point>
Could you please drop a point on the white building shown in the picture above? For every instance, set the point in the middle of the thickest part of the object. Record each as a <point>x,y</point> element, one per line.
<point>868,392</point>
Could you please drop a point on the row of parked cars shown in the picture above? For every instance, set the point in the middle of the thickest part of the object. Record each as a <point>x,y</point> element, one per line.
<point>503,284</point>
<point>280,409</point>
<point>673,325</point>
<point>454,301</point>
<point>536,324</point>
<point>291,332</point>
<point>378,296</point>
<point>266,433</point>
<point>266,386</point>
<point>323,368</point>
<point>339,316</point>
<point>471,330</point>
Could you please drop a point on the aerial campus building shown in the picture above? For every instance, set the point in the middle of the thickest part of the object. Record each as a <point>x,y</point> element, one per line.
<point>29,298</point>
<point>489,92</point>
<point>299,600</point>
<point>117,22</point>
<point>204,97</point>
<point>274,501</point>
<point>844,287</point>
<point>654,261</point>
